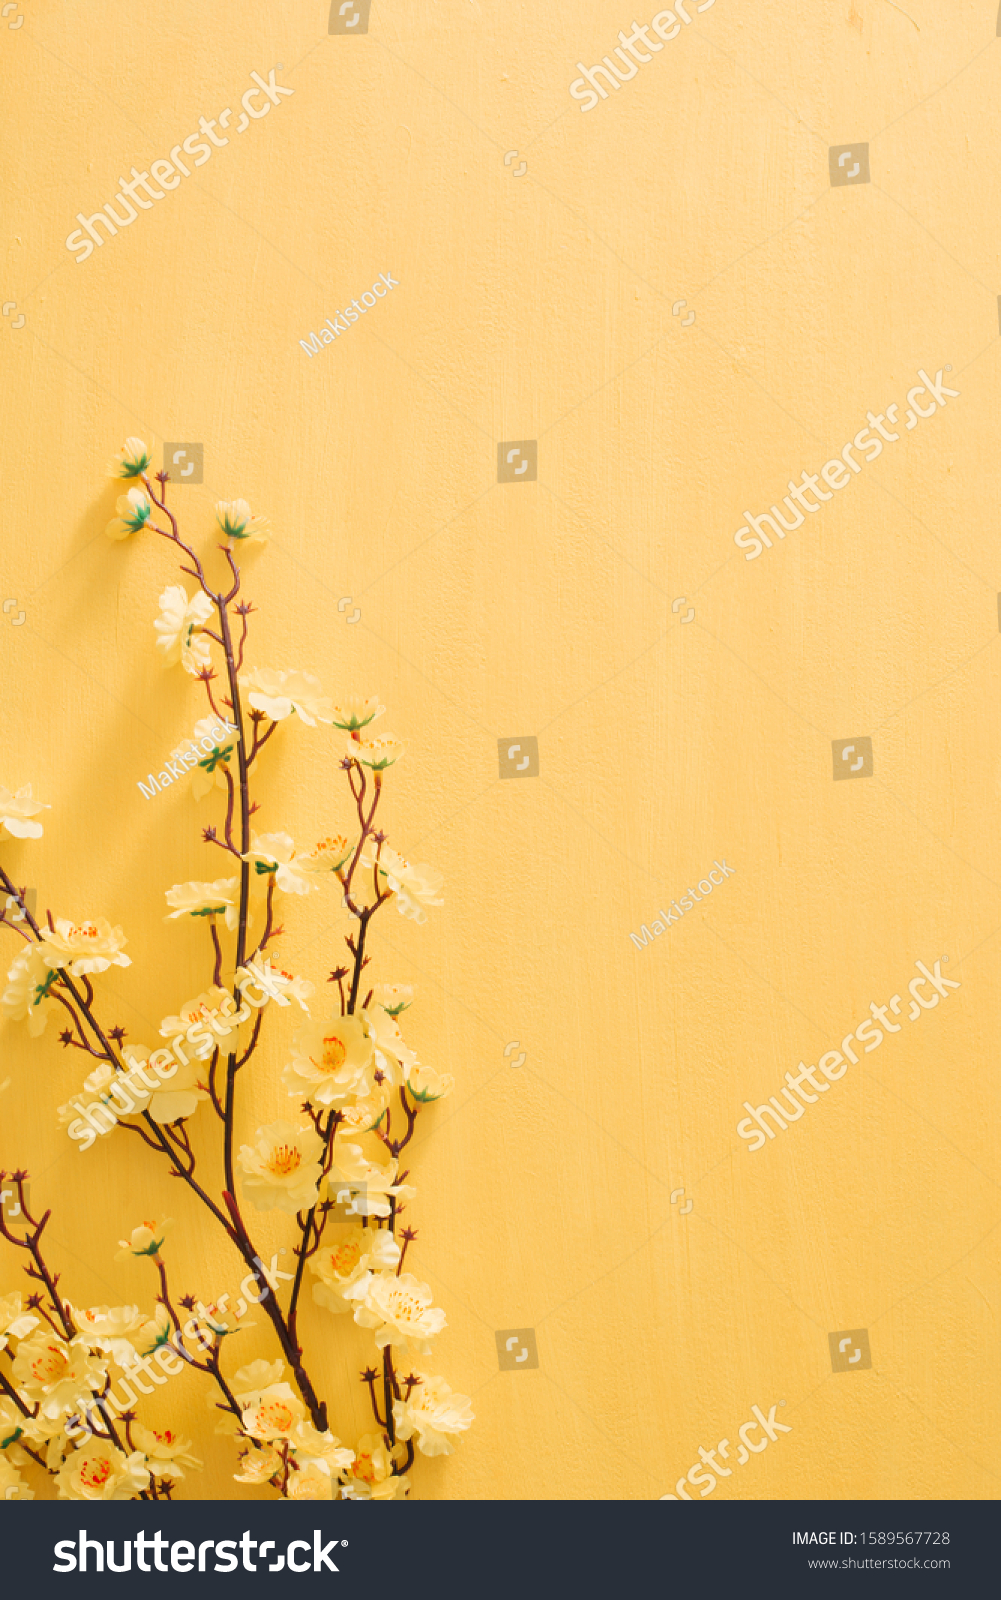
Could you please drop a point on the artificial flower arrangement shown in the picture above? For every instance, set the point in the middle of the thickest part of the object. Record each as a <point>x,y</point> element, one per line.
<point>334,1166</point>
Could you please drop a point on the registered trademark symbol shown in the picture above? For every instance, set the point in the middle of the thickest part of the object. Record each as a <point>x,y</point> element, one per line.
<point>344,1541</point>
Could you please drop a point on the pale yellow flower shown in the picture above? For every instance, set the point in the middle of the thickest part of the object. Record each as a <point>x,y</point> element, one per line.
<point>390,1046</point>
<point>368,1186</point>
<point>107,1328</point>
<point>332,1062</point>
<point>279,694</point>
<point>180,1093</point>
<point>210,773</point>
<point>120,1098</point>
<point>146,1240</point>
<point>375,753</point>
<point>26,997</point>
<point>319,1450</point>
<point>393,997</point>
<point>432,1412</point>
<point>361,1116</point>
<point>260,1465</point>
<point>85,946</point>
<point>205,900</point>
<point>167,1453</point>
<point>310,1483</point>
<point>356,712</point>
<point>400,1312</point>
<point>275,853</point>
<point>372,1473</point>
<point>98,1471</point>
<point>14,1323</point>
<point>153,1332</point>
<point>349,1262</point>
<point>250,1382</point>
<point>214,1014</point>
<point>179,627</point>
<point>16,812</point>
<point>425,1084</point>
<point>283,1168</point>
<point>132,459</point>
<point>134,511</point>
<point>60,1374</point>
<point>329,855</point>
<point>414,886</point>
<point>12,1485</point>
<point>237,522</point>
<point>280,978</point>
<point>274,1413</point>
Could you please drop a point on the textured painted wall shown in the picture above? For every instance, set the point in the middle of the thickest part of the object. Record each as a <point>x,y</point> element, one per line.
<point>691,706</point>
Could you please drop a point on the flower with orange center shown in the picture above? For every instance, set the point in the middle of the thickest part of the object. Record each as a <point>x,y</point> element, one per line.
<point>61,1375</point>
<point>432,1412</point>
<point>329,855</point>
<point>166,1452</point>
<point>332,1062</point>
<point>215,1013</point>
<point>84,947</point>
<point>288,983</point>
<point>275,1413</point>
<point>348,1264</point>
<point>98,1471</point>
<point>259,1466</point>
<point>400,1312</point>
<point>145,1240</point>
<point>282,1171</point>
<point>372,1473</point>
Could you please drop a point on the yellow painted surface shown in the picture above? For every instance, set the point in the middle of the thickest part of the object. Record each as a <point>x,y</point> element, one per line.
<point>540,306</point>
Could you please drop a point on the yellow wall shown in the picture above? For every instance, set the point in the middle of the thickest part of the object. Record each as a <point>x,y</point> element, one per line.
<point>540,306</point>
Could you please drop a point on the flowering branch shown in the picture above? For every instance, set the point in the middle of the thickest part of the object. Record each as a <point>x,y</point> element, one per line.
<point>343,1069</point>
